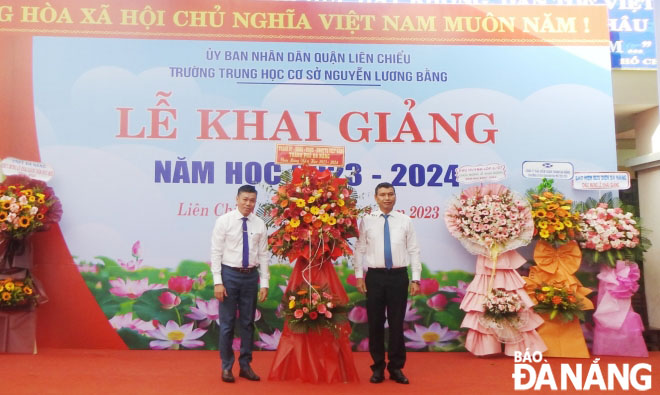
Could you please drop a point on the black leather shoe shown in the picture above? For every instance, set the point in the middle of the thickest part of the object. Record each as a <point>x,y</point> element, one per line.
<point>227,376</point>
<point>377,377</point>
<point>398,376</point>
<point>249,374</point>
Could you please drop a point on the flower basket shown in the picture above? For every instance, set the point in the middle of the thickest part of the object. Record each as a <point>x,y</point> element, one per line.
<point>18,331</point>
<point>18,298</point>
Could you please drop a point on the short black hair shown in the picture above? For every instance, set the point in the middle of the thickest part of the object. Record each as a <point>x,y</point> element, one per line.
<point>247,189</point>
<point>384,185</point>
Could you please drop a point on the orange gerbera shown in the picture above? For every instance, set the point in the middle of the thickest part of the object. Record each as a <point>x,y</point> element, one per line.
<point>27,290</point>
<point>556,300</point>
<point>552,206</point>
<point>6,296</point>
<point>284,203</point>
<point>308,218</point>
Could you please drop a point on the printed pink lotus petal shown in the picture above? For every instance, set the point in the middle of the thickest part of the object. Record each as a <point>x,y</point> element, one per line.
<point>269,342</point>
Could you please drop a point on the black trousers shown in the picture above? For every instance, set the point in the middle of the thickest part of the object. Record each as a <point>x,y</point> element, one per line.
<point>387,290</point>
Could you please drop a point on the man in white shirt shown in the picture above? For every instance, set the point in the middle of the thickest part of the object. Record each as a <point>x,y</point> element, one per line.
<point>386,247</point>
<point>239,263</point>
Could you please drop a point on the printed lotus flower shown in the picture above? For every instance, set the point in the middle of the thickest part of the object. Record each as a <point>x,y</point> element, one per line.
<point>269,342</point>
<point>131,265</point>
<point>411,314</point>
<point>437,302</point>
<point>168,300</point>
<point>127,321</point>
<point>236,344</point>
<point>85,268</point>
<point>358,315</point>
<point>363,345</point>
<point>460,290</point>
<point>136,250</point>
<point>180,284</point>
<point>173,336</point>
<point>433,336</point>
<point>132,289</point>
<point>428,286</point>
<point>205,312</point>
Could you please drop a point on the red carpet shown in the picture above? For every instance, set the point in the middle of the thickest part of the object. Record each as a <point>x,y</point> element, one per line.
<point>81,371</point>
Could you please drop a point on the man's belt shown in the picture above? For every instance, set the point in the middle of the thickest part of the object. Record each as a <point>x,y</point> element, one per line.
<point>240,269</point>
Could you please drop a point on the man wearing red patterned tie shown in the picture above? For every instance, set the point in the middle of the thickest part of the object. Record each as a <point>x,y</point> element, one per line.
<point>386,247</point>
<point>239,263</point>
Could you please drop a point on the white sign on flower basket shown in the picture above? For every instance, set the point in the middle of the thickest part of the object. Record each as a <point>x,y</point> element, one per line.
<point>601,180</point>
<point>35,170</point>
<point>554,170</point>
<point>481,173</point>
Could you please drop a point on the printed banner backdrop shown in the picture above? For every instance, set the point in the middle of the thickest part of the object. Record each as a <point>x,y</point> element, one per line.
<point>150,138</point>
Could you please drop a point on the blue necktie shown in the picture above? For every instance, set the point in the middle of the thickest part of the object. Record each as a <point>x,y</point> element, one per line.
<point>386,242</point>
<point>246,245</point>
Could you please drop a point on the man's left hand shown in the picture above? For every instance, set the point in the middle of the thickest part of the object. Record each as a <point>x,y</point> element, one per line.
<point>414,289</point>
<point>263,294</point>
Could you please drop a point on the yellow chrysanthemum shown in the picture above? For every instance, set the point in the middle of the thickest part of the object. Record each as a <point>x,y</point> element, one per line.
<point>27,192</point>
<point>332,221</point>
<point>295,222</point>
<point>542,224</point>
<point>6,296</point>
<point>324,217</point>
<point>314,210</point>
<point>568,223</point>
<point>41,200</point>
<point>546,289</point>
<point>540,213</point>
<point>3,216</point>
<point>300,203</point>
<point>340,202</point>
<point>559,225</point>
<point>9,286</point>
<point>40,195</point>
<point>31,199</point>
<point>544,233</point>
<point>292,304</point>
<point>311,199</point>
<point>2,287</point>
<point>5,204</point>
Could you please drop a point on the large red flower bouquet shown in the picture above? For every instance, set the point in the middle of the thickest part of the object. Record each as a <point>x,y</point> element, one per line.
<point>315,214</point>
<point>26,206</point>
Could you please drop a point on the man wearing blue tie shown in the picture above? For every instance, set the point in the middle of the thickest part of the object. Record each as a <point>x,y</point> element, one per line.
<point>239,263</point>
<point>386,247</point>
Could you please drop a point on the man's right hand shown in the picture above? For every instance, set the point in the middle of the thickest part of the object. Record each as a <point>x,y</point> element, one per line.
<point>361,285</point>
<point>220,292</point>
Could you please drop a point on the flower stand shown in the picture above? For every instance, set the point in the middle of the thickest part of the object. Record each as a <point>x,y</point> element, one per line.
<point>618,329</point>
<point>564,339</point>
<point>558,266</point>
<point>482,340</point>
<point>17,331</point>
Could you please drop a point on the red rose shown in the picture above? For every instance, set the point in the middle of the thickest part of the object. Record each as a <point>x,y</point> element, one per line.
<point>313,315</point>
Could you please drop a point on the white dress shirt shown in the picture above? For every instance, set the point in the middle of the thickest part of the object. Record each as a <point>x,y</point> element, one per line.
<point>370,247</point>
<point>227,245</point>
